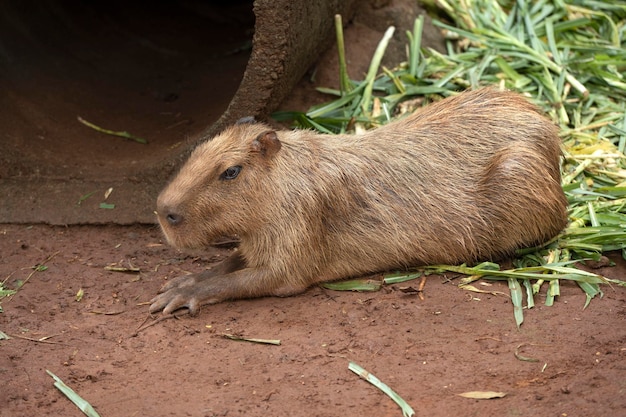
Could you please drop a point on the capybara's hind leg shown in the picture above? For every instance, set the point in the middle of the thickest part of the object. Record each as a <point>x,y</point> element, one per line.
<point>523,199</point>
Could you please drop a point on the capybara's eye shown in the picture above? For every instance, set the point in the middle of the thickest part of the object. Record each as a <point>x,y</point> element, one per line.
<point>231,173</point>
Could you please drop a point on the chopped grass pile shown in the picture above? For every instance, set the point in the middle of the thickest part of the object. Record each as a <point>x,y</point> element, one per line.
<point>569,57</point>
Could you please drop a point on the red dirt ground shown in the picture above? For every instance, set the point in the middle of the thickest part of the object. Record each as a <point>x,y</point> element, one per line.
<point>427,350</point>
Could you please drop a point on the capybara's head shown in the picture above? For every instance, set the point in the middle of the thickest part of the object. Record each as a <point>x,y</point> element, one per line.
<point>219,190</point>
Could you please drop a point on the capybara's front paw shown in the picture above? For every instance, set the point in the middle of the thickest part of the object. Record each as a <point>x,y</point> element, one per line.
<point>181,292</point>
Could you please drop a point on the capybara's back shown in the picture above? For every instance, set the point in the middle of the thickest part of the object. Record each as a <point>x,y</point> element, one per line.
<point>466,179</point>
<point>469,178</point>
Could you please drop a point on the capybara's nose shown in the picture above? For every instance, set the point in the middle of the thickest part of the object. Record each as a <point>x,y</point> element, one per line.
<point>169,214</point>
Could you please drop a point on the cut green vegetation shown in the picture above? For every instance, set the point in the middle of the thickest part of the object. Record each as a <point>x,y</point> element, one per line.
<point>125,135</point>
<point>569,57</point>
<point>252,340</point>
<point>84,197</point>
<point>4,293</point>
<point>37,268</point>
<point>83,405</point>
<point>407,411</point>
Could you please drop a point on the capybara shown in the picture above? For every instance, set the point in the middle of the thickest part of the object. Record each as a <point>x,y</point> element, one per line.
<point>471,177</point>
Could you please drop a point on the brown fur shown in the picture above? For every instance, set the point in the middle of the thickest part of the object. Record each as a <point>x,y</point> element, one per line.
<point>469,178</point>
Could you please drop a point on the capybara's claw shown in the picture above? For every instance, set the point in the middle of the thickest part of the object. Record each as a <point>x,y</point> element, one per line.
<point>171,301</point>
<point>188,291</point>
<point>176,294</point>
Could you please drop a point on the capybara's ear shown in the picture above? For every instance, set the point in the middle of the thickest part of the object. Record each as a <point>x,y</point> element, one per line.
<point>267,144</point>
<point>245,120</point>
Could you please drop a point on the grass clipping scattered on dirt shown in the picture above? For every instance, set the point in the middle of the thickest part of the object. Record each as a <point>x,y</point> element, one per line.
<point>83,405</point>
<point>569,57</point>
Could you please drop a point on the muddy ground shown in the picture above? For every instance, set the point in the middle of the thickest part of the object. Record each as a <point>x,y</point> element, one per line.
<point>428,350</point>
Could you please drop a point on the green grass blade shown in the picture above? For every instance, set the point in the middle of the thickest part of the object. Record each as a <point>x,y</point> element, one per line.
<point>516,298</point>
<point>407,411</point>
<point>354,285</point>
<point>553,292</point>
<point>83,405</point>
<point>373,70</point>
<point>415,44</point>
<point>125,135</point>
<point>398,277</point>
<point>591,290</point>
<point>530,300</point>
<point>344,79</point>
